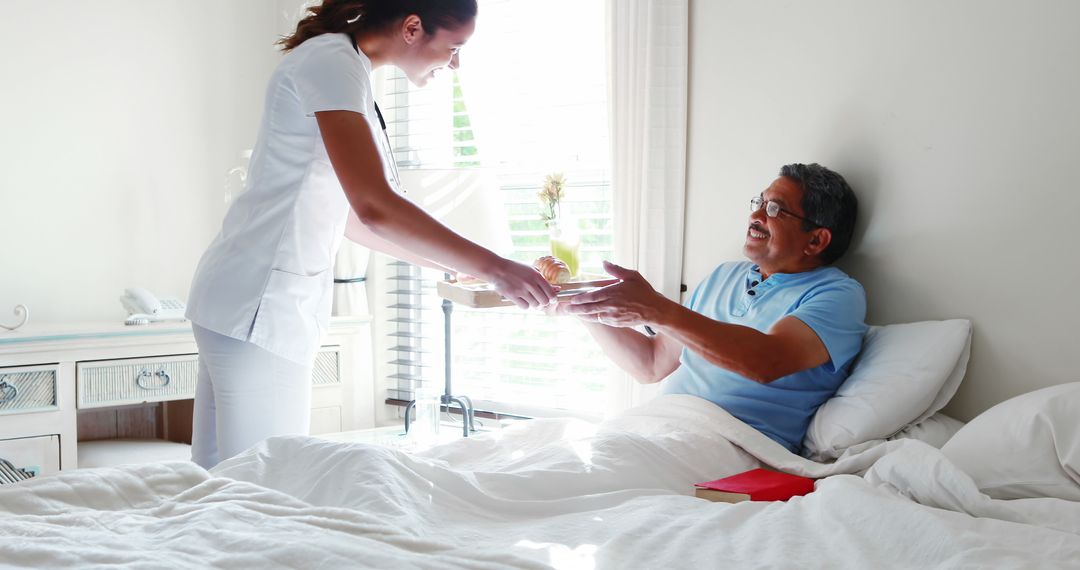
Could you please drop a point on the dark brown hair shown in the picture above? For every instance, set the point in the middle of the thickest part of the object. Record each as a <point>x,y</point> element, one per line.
<point>829,202</point>
<point>356,16</point>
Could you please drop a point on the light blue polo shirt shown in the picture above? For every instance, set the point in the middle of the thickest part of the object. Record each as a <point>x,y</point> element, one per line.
<point>827,299</point>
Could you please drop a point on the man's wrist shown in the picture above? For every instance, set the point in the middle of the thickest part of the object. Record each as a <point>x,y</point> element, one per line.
<point>664,314</point>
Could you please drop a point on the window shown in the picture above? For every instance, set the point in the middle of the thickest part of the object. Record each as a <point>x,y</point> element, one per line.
<point>526,105</point>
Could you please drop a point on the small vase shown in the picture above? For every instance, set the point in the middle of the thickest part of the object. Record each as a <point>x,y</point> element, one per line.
<point>566,244</point>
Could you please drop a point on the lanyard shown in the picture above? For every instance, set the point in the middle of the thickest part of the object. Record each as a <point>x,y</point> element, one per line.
<point>386,136</point>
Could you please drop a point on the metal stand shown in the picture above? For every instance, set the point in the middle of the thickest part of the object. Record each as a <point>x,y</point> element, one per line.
<point>447,397</point>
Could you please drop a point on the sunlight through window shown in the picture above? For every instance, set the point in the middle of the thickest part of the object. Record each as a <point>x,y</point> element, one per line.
<point>525,107</point>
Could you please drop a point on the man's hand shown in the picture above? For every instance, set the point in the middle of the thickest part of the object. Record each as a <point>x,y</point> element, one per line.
<point>609,311</point>
<point>561,308</point>
<point>556,308</point>
<point>628,303</point>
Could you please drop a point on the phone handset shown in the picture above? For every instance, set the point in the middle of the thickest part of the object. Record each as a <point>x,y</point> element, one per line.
<point>144,307</point>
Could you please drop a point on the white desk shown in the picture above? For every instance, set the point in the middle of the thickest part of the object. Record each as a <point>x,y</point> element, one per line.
<point>66,382</point>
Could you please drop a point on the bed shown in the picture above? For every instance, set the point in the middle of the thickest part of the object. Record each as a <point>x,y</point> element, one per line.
<point>566,493</point>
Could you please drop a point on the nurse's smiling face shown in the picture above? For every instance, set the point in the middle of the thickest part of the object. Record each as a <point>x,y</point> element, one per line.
<point>426,53</point>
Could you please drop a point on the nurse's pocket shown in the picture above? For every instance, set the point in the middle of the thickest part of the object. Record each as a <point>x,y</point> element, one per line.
<point>294,310</point>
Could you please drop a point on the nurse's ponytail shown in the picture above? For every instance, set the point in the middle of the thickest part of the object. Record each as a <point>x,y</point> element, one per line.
<point>361,16</point>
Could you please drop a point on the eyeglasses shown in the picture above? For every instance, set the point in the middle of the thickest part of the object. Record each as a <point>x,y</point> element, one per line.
<point>773,209</point>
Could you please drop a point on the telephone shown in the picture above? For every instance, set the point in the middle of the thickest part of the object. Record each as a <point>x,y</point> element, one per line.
<point>145,308</point>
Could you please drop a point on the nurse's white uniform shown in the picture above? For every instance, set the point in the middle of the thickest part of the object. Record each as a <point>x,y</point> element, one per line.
<point>261,297</point>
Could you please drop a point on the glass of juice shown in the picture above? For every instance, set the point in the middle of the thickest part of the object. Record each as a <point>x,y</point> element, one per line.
<point>566,245</point>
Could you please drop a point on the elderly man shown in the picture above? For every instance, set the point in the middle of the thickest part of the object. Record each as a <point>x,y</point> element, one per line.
<point>769,339</point>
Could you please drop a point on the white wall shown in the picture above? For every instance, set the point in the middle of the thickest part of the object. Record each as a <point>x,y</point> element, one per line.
<point>118,121</point>
<point>956,122</point>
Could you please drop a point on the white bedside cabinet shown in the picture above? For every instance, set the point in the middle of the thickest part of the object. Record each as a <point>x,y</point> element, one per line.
<point>68,383</point>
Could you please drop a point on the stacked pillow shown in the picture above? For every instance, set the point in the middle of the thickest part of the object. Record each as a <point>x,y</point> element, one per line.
<point>934,430</point>
<point>904,374</point>
<point>1025,447</point>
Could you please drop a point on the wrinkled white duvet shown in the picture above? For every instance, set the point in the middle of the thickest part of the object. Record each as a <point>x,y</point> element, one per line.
<point>545,493</point>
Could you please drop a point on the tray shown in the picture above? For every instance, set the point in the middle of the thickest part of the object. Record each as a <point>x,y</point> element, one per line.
<point>482,296</point>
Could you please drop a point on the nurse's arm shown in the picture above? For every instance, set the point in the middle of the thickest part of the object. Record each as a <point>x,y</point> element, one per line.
<point>350,143</point>
<point>359,233</point>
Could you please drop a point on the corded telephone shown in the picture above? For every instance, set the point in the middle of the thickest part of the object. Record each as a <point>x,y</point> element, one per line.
<point>145,308</point>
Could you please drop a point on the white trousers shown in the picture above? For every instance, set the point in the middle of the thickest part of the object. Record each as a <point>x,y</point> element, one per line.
<point>245,394</point>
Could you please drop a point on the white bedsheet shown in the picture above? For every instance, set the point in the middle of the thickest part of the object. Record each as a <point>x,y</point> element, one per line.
<point>559,493</point>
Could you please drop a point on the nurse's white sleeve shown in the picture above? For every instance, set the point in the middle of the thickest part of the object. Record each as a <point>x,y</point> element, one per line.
<point>331,78</point>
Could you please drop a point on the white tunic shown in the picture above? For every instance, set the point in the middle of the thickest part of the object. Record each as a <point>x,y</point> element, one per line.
<point>267,278</point>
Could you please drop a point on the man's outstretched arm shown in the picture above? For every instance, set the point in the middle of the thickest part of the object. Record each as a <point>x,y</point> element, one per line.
<point>648,359</point>
<point>788,347</point>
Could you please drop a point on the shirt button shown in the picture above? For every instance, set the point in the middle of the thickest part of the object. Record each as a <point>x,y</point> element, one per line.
<point>751,293</point>
<point>753,283</point>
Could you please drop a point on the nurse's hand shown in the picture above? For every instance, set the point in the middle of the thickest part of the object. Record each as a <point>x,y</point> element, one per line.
<point>521,284</point>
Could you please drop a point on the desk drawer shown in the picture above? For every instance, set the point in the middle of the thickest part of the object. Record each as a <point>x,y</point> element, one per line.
<point>36,455</point>
<point>27,389</point>
<point>136,381</point>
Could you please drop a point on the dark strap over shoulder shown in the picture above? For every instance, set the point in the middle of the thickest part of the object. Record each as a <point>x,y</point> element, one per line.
<point>382,122</point>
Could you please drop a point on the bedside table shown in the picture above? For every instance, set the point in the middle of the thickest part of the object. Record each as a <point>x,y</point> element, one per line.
<point>66,385</point>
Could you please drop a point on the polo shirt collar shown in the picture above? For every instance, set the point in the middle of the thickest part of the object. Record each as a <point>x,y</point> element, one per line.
<point>754,274</point>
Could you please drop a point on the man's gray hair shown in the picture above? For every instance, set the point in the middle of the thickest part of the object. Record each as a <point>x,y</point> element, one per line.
<point>829,202</point>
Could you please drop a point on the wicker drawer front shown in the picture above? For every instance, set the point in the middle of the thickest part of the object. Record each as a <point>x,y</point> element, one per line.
<point>121,382</point>
<point>27,389</point>
<point>327,370</point>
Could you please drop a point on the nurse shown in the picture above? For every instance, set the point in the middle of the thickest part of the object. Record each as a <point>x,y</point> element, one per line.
<point>320,170</point>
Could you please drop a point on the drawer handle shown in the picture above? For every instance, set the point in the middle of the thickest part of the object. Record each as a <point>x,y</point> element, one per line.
<point>140,380</point>
<point>8,392</point>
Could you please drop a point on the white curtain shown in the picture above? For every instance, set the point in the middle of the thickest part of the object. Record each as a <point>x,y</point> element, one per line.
<point>647,59</point>
<point>648,67</point>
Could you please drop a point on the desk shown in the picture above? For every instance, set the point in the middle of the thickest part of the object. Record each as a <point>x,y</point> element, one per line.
<point>69,382</point>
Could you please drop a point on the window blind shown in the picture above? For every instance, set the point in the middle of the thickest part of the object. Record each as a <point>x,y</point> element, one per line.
<point>546,116</point>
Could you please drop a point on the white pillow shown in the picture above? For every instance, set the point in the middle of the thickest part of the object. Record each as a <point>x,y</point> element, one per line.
<point>934,430</point>
<point>1025,447</point>
<point>904,374</point>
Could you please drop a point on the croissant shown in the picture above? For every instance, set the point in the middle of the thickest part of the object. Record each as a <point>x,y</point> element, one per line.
<point>553,269</point>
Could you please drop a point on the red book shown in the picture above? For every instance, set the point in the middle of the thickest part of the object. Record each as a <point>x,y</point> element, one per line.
<point>754,485</point>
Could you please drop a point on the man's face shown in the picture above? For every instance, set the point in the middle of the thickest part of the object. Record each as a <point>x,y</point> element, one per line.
<point>779,245</point>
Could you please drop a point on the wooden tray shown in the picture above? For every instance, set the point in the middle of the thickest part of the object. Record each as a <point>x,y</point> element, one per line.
<point>481,295</point>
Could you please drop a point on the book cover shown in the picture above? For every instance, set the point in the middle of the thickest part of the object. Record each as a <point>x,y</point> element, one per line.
<point>754,485</point>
